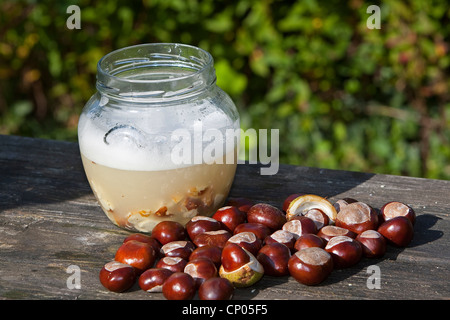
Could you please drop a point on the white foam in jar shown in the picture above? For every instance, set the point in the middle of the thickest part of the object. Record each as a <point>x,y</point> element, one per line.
<point>146,145</point>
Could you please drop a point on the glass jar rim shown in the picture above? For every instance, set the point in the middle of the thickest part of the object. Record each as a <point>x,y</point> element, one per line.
<point>131,72</point>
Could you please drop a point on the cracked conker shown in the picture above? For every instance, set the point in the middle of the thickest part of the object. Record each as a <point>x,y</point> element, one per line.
<point>302,204</point>
<point>239,266</point>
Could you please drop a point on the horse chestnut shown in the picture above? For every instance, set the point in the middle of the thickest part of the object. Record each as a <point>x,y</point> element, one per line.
<point>395,209</point>
<point>214,253</point>
<point>274,258</point>
<point>230,217</point>
<point>247,240</point>
<point>345,251</point>
<point>309,240</point>
<point>151,280</point>
<point>182,249</point>
<point>329,232</point>
<point>239,266</point>
<point>137,254</point>
<point>357,217</point>
<point>212,238</point>
<point>201,269</point>
<point>399,231</point>
<point>216,289</point>
<point>179,286</point>
<point>168,231</point>
<point>373,243</point>
<point>267,215</point>
<point>200,224</point>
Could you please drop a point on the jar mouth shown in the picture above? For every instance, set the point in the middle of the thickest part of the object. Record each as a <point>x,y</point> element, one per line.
<point>155,71</point>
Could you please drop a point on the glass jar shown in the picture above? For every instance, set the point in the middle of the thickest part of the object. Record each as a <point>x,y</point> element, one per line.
<point>159,138</point>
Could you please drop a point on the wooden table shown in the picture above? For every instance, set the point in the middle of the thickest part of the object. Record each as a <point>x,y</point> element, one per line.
<point>50,220</point>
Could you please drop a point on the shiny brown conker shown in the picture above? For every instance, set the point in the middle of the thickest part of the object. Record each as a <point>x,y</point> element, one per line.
<point>201,269</point>
<point>357,217</point>
<point>394,209</point>
<point>230,217</point>
<point>212,238</point>
<point>300,225</point>
<point>398,231</point>
<point>329,232</point>
<point>216,289</point>
<point>214,253</point>
<point>174,264</point>
<point>117,277</point>
<point>247,240</point>
<point>200,224</point>
<point>179,286</point>
<point>373,243</point>
<point>168,231</point>
<point>281,236</point>
<point>139,255</point>
<point>151,280</point>
<point>309,240</point>
<point>181,248</point>
<point>267,215</point>
<point>345,251</point>
<point>310,266</point>
<point>274,258</point>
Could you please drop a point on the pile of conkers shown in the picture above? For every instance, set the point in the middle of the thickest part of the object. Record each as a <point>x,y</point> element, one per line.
<point>241,242</point>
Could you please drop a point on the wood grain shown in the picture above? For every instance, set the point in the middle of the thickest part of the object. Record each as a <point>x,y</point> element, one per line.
<point>49,220</point>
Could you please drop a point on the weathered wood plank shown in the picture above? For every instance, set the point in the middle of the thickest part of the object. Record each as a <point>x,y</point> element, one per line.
<point>49,220</point>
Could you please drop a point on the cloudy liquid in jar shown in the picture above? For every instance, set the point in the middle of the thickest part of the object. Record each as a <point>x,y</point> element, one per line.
<point>138,200</point>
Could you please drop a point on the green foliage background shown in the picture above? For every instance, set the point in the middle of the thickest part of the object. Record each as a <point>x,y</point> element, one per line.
<point>342,95</point>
